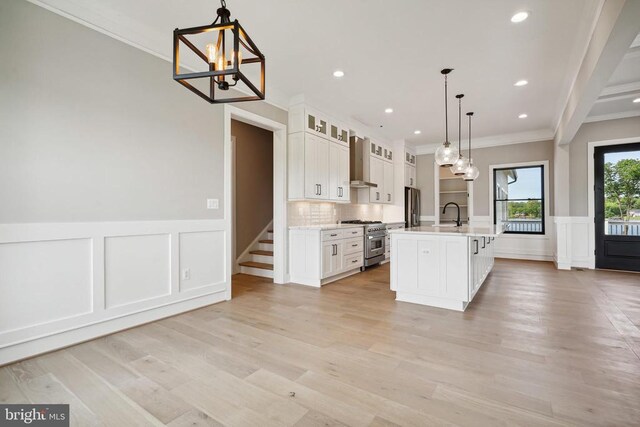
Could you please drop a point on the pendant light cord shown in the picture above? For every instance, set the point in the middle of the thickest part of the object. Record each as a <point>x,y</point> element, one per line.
<point>460,96</point>
<point>446,112</point>
<point>469,115</point>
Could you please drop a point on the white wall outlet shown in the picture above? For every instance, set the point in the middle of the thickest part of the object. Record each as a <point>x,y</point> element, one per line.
<point>186,274</point>
<point>213,204</point>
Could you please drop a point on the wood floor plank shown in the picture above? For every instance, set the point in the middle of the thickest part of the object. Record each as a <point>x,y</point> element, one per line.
<point>536,347</point>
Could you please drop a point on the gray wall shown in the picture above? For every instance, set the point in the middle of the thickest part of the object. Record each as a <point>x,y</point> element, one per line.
<point>591,132</point>
<point>254,182</point>
<point>483,158</point>
<point>424,183</point>
<point>92,129</point>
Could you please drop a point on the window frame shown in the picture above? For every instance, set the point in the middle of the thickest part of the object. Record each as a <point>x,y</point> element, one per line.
<point>542,199</point>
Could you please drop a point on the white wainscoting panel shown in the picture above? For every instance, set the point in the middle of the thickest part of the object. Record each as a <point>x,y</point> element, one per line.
<point>529,247</point>
<point>202,254</point>
<point>63,283</point>
<point>575,242</point>
<point>136,268</point>
<point>44,281</point>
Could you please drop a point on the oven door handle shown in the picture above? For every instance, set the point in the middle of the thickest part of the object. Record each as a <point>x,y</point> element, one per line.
<point>375,237</point>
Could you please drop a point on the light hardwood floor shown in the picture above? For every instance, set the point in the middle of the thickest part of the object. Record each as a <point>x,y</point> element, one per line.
<point>537,347</point>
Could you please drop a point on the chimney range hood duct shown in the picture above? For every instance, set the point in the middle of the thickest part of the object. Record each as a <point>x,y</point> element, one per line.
<point>357,147</point>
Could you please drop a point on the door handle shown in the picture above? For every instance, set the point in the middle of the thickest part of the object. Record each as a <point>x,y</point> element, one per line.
<point>484,241</point>
<point>320,185</point>
<point>317,190</point>
<point>488,240</point>
<point>388,197</point>
<point>476,242</point>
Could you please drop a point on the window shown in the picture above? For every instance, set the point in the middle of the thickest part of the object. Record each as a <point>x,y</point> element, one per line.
<point>518,199</point>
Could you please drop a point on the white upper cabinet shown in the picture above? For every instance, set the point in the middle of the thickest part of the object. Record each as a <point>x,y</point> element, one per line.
<point>409,176</point>
<point>409,158</point>
<point>339,189</point>
<point>305,119</point>
<point>388,182</point>
<point>316,165</point>
<point>376,176</point>
<point>339,132</point>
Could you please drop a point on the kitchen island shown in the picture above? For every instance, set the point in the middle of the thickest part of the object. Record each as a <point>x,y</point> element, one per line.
<point>441,266</point>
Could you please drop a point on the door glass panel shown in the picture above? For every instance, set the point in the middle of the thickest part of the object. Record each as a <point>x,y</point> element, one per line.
<point>311,122</point>
<point>622,193</point>
<point>334,132</point>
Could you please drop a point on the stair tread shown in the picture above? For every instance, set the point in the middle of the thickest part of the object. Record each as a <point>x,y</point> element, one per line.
<point>259,252</point>
<point>266,241</point>
<point>254,264</point>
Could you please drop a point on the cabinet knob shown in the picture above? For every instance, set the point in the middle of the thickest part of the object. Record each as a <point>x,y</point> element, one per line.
<point>426,251</point>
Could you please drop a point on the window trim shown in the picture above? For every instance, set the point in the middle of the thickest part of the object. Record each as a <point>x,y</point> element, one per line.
<point>544,165</point>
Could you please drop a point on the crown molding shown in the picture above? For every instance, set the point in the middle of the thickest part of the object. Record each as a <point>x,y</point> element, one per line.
<point>627,88</point>
<point>613,116</point>
<point>275,101</point>
<point>497,140</point>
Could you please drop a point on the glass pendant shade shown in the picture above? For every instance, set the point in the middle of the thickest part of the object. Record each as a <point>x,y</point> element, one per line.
<point>471,173</point>
<point>460,167</point>
<point>447,155</point>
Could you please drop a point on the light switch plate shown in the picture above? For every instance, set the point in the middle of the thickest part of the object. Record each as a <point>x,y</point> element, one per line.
<point>213,204</point>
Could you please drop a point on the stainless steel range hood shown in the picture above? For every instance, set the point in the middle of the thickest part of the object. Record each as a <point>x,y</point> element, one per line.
<point>357,147</point>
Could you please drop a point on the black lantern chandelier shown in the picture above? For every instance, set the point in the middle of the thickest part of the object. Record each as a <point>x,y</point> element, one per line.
<point>227,47</point>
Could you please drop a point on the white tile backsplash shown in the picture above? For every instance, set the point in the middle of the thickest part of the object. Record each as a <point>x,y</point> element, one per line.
<point>312,213</point>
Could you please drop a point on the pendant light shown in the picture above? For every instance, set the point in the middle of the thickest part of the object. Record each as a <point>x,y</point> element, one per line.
<point>459,168</point>
<point>229,47</point>
<point>472,171</point>
<point>446,155</point>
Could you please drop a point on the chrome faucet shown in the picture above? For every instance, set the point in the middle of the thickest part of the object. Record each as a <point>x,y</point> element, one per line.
<point>458,222</point>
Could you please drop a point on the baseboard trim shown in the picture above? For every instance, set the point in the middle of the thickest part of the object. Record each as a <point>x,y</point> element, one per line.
<point>56,341</point>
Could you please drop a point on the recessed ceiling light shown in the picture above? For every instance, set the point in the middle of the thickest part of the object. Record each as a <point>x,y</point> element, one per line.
<point>417,132</point>
<point>522,116</point>
<point>519,17</point>
<point>521,83</point>
<point>389,110</point>
<point>636,101</point>
<point>338,73</point>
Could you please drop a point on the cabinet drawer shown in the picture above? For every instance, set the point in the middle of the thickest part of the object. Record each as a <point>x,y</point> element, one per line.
<point>354,246</point>
<point>353,261</point>
<point>332,235</point>
<point>353,232</point>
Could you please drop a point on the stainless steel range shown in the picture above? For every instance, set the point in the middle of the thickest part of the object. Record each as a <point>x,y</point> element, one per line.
<point>374,240</point>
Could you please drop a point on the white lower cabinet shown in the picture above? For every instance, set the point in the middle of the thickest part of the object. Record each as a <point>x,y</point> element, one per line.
<point>439,270</point>
<point>319,256</point>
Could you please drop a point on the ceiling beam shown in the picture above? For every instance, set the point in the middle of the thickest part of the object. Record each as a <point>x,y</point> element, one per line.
<point>616,29</point>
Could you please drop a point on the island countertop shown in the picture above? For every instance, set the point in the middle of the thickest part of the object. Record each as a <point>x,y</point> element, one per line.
<point>465,230</point>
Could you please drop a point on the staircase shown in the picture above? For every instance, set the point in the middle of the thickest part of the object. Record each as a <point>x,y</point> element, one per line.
<point>257,260</point>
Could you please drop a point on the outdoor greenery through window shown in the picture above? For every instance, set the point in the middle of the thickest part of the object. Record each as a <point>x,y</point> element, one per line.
<point>622,193</point>
<point>518,199</point>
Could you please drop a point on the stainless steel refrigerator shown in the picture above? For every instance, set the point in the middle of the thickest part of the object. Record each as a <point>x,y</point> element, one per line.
<point>411,207</point>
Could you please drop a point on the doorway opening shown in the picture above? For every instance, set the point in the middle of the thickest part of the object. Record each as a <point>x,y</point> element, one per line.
<point>617,206</point>
<point>252,194</point>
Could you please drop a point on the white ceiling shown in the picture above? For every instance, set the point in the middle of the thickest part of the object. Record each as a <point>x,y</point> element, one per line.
<point>391,53</point>
<point>616,100</point>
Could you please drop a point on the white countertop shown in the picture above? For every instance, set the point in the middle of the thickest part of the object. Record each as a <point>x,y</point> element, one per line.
<point>465,230</point>
<point>325,227</point>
